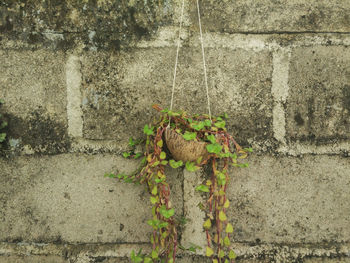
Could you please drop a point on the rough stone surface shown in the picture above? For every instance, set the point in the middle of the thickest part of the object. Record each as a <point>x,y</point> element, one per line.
<point>246,252</point>
<point>193,232</point>
<point>32,259</point>
<point>32,84</point>
<point>80,76</point>
<point>291,200</point>
<point>96,19</point>
<point>66,198</point>
<point>118,90</point>
<point>318,105</point>
<point>328,260</point>
<point>273,16</point>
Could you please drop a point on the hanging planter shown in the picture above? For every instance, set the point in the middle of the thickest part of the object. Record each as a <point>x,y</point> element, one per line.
<point>182,149</point>
<point>180,140</point>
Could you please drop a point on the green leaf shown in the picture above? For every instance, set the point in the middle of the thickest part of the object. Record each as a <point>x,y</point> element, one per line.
<point>160,143</point>
<point>198,126</point>
<point>154,190</point>
<point>110,175</point>
<point>193,248</point>
<point>131,142</point>
<point>227,203</point>
<point>202,188</point>
<point>214,148</point>
<point>154,254</point>
<point>175,164</point>
<point>248,149</point>
<point>207,224</point>
<point>227,241</point>
<point>189,135</point>
<point>221,254</point>
<point>172,113</point>
<point>155,163</point>
<point>211,138</point>
<point>148,130</point>
<point>221,178</point>
<point>164,162</point>
<point>137,155</point>
<point>222,216</point>
<point>3,124</point>
<point>191,166</point>
<point>120,176</point>
<point>166,213</point>
<point>207,123</point>
<point>209,252</point>
<point>153,223</point>
<point>136,258</point>
<point>162,155</point>
<point>232,255</point>
<point>229,228</point>
<point>159,180</point>
<point>153,199</point>
<point>147,260</point>
<point>163,224</point>
<point>220,124</point>
<point>126,154</point>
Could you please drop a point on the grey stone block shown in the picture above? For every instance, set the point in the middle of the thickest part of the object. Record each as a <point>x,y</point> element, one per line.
<point>273,16</point>
<point>32,84</point>
<point>118,90</point>
<point>97,19</point>
<point>66,198</point>
<point>328,260</point>
<point>318,104</point>
<point>291,200</point>
<point>32,259</point>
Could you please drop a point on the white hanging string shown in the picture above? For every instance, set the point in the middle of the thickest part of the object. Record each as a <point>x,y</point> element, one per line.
<point>204,66</point>
<point>177,57</point>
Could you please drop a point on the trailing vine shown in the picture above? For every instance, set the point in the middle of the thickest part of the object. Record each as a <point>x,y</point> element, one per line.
<point>221,152</point>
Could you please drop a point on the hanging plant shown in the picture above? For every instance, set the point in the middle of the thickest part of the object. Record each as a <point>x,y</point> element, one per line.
<point>179,140</point>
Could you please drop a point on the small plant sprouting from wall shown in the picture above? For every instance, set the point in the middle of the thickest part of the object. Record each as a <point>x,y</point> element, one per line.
<point>180,140</point>
<point>3,124</point>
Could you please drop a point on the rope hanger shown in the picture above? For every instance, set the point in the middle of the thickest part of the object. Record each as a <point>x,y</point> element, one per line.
<point>203,56</point>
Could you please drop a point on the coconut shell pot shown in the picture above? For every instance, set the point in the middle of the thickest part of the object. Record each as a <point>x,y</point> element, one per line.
<point>182,149</point>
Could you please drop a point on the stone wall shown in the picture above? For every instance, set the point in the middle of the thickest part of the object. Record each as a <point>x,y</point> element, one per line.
<point>79,77</point>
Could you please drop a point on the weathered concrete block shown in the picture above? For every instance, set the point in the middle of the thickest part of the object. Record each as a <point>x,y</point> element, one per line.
<point>32,84</point>
<point>318,104</point>
<point>97,19</point>
<point>118,90</point>
<point>66,198</point>
<point>328,260</point>
<point>273,16</point>
<point>32,259</point>
<point>291,200</point>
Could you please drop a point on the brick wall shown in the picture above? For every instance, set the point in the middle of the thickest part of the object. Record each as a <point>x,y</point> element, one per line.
<point>79,78</point>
